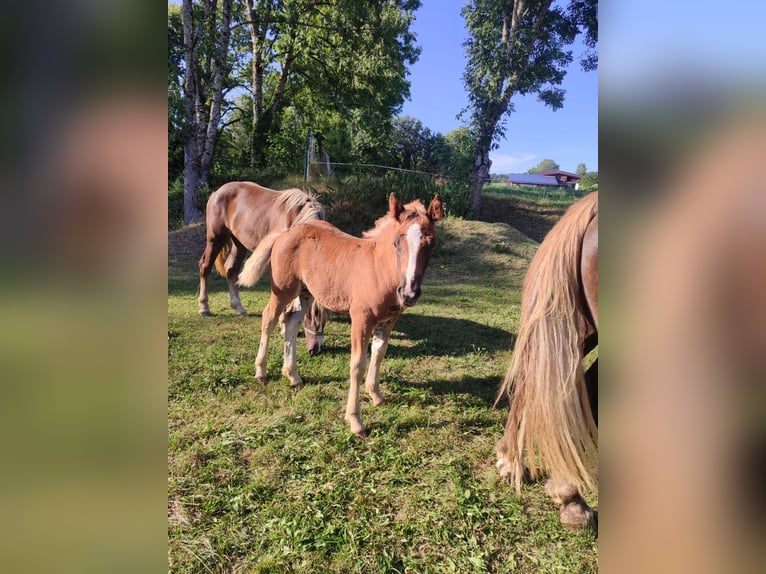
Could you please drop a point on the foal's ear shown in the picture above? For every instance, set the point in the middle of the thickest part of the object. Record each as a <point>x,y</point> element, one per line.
<point>436,209</point>
<point>395,206</point>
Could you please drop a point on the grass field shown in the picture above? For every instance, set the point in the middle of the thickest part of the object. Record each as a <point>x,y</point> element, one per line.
<point>268,479</point>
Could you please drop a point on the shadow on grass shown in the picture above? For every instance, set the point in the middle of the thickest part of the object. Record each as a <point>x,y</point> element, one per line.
<point>435,336</point>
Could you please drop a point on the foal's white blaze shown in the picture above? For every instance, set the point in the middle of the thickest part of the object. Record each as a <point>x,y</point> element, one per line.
<point>413,244</point>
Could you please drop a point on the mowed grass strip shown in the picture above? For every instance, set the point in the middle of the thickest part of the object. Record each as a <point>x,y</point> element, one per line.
<point>269,479</point>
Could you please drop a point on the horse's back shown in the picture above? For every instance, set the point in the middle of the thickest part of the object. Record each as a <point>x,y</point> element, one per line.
<point>243,208</point>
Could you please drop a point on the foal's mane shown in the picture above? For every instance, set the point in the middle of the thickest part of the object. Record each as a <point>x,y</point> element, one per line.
<point>304,203</point>
<point>411,211</point>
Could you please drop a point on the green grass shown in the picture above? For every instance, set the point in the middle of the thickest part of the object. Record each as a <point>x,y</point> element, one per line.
<point>269,479</point>
<point>538,195</point>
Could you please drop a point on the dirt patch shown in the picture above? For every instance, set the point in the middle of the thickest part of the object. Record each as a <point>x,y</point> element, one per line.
<point>186,245</point>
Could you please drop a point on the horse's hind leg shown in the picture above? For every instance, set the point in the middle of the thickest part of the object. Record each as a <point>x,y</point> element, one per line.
<point>213,245</point>
<point>574,511</point>
<point>233,265</point>
<point>268,322</point>
<point>380,338</point>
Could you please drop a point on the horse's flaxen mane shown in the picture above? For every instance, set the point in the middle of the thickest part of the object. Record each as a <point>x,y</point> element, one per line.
<point>305,203</point>
<point>411,210</point>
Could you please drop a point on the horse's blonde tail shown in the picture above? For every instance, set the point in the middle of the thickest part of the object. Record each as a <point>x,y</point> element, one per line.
<point>256,265</point>
<point>550,416</point>
<point>220,261</point>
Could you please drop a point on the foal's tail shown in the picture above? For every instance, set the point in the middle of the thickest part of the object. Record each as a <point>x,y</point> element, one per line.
<point>550,416</point>
<point>220,261</point>
<point>256,264</point>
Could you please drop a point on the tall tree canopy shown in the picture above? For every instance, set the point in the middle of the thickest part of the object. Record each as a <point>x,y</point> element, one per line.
<point>518,48</point>
<point>276,68</point>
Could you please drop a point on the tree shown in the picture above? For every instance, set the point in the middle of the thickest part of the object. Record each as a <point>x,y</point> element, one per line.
<point>330,58</point>
<point>518,48</point>
<point>545,165</point>
<point>413,144</point>
<point>582,169</point>
<point>589,181</point>
<point>206,33</point>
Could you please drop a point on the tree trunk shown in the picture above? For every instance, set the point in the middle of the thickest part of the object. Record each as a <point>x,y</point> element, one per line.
<point>191,183</point>
<point>478,176</point>
<point>191,97</point>
<point>202,117</point>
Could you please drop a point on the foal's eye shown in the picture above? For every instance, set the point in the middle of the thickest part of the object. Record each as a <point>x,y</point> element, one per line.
<point>397,242</point>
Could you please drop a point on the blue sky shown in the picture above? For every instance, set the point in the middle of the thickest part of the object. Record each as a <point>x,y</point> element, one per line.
<point>569,136</point>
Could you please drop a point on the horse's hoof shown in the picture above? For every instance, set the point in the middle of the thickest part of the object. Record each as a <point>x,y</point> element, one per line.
<point>577,515</point>
<point>503,468</point>
<point>205,313</point>
<point>361,435</point>
<point>242,313</point>
<point>262,379</point>
<point>297,386</point>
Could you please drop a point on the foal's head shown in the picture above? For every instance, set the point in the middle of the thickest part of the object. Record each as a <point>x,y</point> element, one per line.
<point>413,238</point>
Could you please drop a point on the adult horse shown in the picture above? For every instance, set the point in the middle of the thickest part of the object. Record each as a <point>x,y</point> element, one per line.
<point>373,279</point>
<point>553,403</point>
<point>239,215</point>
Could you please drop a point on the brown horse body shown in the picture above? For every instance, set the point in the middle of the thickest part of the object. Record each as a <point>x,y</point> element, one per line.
<point>553,402</point>
<point>373,279</point>
<point>239,215</point>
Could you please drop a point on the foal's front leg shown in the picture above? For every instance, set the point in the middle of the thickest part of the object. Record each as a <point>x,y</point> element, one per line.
<point>360,336</point>
<point>380,337</point>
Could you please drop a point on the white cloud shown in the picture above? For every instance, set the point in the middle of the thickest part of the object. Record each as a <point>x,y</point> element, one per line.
<point>512,163</point>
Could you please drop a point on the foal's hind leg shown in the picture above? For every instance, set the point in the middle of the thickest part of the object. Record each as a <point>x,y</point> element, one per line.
<point>268,322</point>
<point>233,265</point>
<point>380,338</point>
<point>291,322</point>
<point>574,511</point>
<point>212,247</point>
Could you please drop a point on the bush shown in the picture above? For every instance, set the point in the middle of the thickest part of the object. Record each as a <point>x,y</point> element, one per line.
<point>356,199</point>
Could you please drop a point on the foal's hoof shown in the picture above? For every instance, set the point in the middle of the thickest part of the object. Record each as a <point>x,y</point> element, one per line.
<point>242,313</point>
<point>357,428</point>
<point>205,313</point>
<point>263,379</point>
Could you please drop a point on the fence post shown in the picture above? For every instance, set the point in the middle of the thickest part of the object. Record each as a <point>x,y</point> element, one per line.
<point>307,158</point>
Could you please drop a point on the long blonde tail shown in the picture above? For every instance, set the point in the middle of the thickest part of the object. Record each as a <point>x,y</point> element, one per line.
<point>550,416</point>
<point>256,264</point>
<point>220,261</point>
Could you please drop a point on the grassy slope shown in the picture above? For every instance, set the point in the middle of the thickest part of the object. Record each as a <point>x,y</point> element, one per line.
<point>266,479</point>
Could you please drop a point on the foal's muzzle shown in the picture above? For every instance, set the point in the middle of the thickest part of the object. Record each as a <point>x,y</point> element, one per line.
<point>408,299</point>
